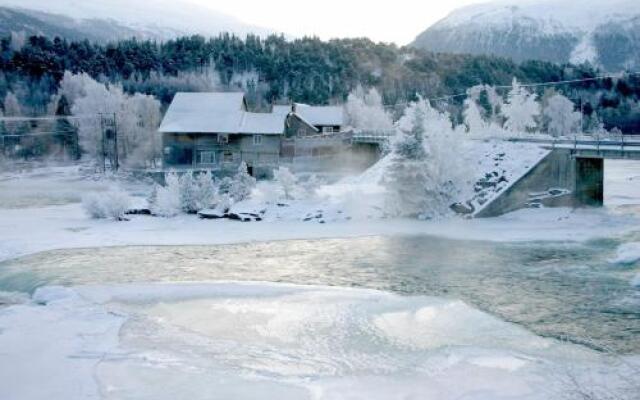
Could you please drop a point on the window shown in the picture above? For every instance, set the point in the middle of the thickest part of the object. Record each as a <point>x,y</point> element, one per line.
<point>227,157</point>
<point>328,129</point>
<point>257,140</point>
<point>223,139</point>
<point>206,157</point>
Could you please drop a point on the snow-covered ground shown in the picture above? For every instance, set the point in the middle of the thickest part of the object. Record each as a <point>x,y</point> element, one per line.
<point>246,340</point>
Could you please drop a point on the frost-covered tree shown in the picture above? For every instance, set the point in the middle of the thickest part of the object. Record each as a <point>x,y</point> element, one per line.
<point>168,198</point>
<point>473,119</point>
<point>520,110</point>
<point>137,118</point>
<point>286,181</point>
<point>74,86</point>
<point>595,126</point>
<point>425,170</point>
<point>18,40</point>
<point>113,204</point>
<point>12,108</point>
<point>188,193</point>
<point>409,178</point>
<point>242,184</point>
<point>97,99</point>
<point>561,117</point>
<point>365,111</point>
<point>206,191</point>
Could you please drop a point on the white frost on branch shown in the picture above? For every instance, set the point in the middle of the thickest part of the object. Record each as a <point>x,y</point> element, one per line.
<point>520,110</point>
<point>242,185</point>
<point>561,117</point>
<point>365,111</point>
<point>112,204</point>
<point>425,171</point>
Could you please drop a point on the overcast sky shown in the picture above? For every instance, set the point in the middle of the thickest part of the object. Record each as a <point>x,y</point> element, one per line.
<point>398,21</point>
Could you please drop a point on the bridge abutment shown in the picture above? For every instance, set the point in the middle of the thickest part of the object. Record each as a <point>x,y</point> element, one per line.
<point>561,179</point>
<point>589,182</point>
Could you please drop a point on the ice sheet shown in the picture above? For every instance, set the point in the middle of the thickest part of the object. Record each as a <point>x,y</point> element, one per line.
<point>259,340</point>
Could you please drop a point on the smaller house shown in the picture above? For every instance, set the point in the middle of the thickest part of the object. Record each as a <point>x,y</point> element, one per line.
<point>325,119</point>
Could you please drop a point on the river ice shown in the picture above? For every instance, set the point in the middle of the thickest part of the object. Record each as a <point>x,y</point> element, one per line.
<point>271,341</point>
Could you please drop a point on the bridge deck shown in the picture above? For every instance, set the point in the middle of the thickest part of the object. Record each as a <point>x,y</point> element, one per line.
<point>623,148</point>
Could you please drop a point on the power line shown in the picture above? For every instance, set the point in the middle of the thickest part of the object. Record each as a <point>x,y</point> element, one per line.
<point>530,85</point>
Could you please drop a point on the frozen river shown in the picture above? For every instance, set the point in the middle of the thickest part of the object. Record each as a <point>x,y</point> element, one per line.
<point>573,291</point>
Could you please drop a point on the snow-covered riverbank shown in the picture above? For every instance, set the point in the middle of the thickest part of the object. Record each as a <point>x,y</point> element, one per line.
<point>25,232</point>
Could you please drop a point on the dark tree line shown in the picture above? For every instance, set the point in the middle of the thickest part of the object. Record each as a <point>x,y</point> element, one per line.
<point>304,70</point>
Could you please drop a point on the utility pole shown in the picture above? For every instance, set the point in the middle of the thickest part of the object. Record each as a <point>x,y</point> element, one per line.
<point>115,143</point>
<point>581,116</point>
<point>103,151</point>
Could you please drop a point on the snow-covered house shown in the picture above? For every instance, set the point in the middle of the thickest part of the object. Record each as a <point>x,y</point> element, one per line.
<point>216,131</point>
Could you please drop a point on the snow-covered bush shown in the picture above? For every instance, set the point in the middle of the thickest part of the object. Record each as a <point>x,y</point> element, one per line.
<point>113,204</point>
<point>206,191</point>
<point>287,182</point>
<point>365,111</point>
<point>520,110</point>
<point>311,185</point>
<point>188,193</point>
<point>167,198</point>
<point>561,117</point>
<point>242,184</point>
<point>224,203</point>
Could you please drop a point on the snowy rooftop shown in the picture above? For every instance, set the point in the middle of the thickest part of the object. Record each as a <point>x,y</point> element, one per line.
<point>315,115</point>
<point>217,113</point>
<point>324,115</point>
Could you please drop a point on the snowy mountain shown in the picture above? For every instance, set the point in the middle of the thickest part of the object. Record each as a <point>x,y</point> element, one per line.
<point>605,33</point>
<point>114,19</point>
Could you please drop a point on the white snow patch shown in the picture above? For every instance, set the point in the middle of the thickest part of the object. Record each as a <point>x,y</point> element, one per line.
<point>627,253</point>
<point>585,52</point>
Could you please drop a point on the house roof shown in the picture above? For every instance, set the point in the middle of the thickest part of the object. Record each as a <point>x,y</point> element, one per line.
<point>281,110</point>
<point>323,115</point>
<point>315,115</point>
<point>262,123</point>
<point>217,113</point>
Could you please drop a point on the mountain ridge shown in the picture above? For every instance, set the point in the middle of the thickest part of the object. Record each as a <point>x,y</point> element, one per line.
<point>605,35</point>
<point>152,19</point>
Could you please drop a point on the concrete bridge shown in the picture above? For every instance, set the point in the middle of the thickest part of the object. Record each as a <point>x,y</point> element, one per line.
<point>571,175</point>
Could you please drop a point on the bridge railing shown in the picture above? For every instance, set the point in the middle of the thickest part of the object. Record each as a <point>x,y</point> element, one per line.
<point>377,136</point>
<point>616,142</point>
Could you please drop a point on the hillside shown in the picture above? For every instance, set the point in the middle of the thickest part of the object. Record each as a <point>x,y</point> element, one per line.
<point>117,19</point>
<point>605,34</point>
